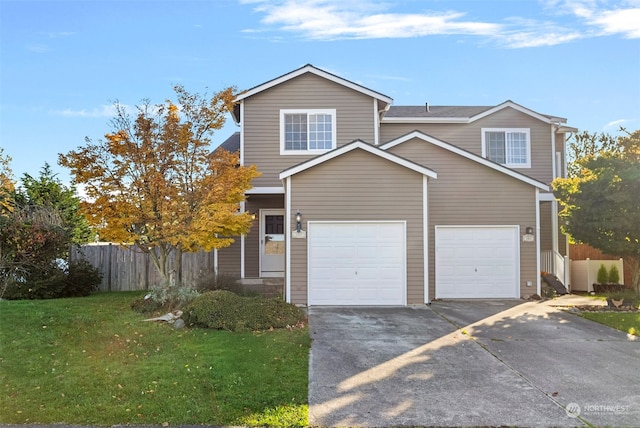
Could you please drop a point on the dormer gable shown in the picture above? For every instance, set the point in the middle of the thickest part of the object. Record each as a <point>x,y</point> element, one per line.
<point>428,139</point>
<point>383,100</point>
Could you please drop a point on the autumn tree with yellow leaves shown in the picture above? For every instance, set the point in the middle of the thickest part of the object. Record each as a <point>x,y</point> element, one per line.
<point>7,184</point>
<point>154,182</point>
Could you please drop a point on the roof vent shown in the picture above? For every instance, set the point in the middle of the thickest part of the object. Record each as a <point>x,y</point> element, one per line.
<point>426,106</point>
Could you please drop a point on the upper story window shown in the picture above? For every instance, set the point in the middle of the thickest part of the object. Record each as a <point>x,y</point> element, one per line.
<point>307,131</point>
<point>509,147</point>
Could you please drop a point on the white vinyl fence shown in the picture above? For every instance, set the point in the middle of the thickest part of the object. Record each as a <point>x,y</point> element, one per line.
<point>584,273</point>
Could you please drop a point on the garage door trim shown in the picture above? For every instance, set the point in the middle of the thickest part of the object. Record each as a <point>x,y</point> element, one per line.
<point>403,237</point>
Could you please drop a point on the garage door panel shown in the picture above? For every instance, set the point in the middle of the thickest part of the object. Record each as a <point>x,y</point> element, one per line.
<point>477,262</point>
<point>363,263</point>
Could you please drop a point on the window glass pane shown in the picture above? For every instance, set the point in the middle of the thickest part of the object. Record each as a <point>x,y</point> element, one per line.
<point>516,148</point>
<point>320,137</point>
<point>496,146</point>
<point>295,132</point>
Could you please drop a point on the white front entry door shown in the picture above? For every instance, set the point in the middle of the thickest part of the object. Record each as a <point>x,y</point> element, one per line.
<point>272,243</point>
<point>357,263</point>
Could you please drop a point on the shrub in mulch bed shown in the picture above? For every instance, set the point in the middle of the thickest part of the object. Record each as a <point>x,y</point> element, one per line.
<point>224,310</point>
<point>612,288</point>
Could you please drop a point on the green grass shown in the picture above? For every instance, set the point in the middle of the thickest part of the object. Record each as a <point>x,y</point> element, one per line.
<point>93,360</point>
<point>629,322</point>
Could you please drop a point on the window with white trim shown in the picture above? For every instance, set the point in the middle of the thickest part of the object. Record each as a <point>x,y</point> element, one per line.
<point>509,147</point>
<point>307,131</point>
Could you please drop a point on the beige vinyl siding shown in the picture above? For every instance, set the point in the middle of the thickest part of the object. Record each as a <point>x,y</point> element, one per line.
<point>562,241</point>
<point>546,225</point>
<point>229,259</point>
<point>546,239</point>
<point>467,193</point>
<point>359,186</point>
<point>469,137</point>
<point>354,119</point>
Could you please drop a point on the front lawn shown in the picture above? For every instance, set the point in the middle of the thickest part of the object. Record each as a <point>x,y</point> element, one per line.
<point>629,322</point>
<point>92,360</point>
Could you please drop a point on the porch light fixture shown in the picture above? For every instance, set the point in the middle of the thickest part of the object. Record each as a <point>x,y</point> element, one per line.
<point>529,230</point>
<point>298,221</point>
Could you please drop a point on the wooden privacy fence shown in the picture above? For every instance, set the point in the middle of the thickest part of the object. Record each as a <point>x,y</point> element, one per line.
<point>128,268</point>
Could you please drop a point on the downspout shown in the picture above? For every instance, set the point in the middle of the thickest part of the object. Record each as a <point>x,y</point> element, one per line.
<point>554,203</point>
<point>242,246</point>
<point>242,204</point>
<point>376,125</point>
<point>425,226</point>
<point>242,133</point>
<point>538,253</point>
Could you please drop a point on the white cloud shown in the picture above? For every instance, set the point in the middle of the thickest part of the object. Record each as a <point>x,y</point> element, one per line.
<point>615,123</point>
<point>366,19</point>
<point>38,48</point>
<point>331,19</point>
<point>603,17</point>
<point>60,34</point>
<point>102,111</point>
<point>618,21</point>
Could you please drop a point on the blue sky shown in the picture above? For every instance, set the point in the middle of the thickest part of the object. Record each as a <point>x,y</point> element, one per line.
<point>63,63</point>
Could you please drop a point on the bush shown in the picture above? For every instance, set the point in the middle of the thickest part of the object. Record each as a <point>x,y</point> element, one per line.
<point>603,275</point>
<point>82,279</point>
<point>614,275</point>
<point>220,281</point>
<point>549,292</point>
<point>164,298</point>
<point>146,305</point>
<point>224,310</point>
<point>78,279</point>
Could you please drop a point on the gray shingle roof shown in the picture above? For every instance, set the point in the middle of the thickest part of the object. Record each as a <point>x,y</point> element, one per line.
<point>436,111</point>
<point>231,144</point>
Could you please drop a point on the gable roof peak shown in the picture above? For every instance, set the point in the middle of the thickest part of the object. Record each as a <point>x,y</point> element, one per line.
<point>358,145</point>
<point>309,68</point>
<point>417,134</point>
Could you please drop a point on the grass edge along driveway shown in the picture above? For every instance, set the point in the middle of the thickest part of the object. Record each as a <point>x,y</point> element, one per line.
<point>93,360</point>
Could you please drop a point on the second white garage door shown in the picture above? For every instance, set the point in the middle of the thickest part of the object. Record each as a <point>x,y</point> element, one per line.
<point>477,262</point>
<point>356,263</point>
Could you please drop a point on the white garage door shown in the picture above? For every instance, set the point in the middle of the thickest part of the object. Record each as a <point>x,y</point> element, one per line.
<point>356,263</point>
<point>477,262</point>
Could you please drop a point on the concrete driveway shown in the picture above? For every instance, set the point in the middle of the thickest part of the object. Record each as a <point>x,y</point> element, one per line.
<point>470,363</point>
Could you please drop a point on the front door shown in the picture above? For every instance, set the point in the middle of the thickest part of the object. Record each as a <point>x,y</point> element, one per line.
<point>272,243</point>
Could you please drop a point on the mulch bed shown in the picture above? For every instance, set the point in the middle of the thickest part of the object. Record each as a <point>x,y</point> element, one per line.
<point>602,308</point>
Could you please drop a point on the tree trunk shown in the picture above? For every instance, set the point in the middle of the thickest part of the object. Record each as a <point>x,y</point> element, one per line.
<point>634,268</point>
<point>177,266</point>
<point>160,258</point>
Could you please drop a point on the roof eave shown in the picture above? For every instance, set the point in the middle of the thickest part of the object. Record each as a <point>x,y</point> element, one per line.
<point>425,120</point>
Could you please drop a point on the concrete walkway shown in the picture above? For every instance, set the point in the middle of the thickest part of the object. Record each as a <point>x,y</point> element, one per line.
<point>470,363</point>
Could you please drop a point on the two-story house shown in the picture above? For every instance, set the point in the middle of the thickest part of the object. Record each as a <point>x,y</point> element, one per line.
<point>364,203</point>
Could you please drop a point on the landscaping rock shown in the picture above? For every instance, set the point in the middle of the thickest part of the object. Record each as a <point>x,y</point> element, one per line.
<point>178,324</point>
